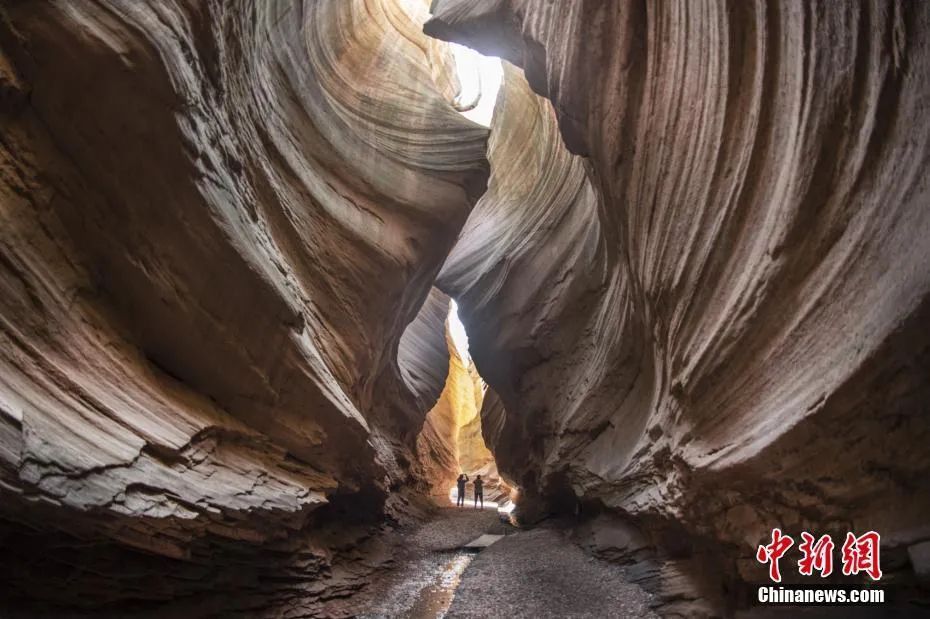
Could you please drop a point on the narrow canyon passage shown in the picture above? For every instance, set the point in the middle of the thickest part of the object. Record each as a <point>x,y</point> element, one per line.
<point>274,274</point>
<point>451,444</point>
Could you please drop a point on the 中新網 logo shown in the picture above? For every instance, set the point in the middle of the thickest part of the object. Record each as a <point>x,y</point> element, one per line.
<point>859,554</point>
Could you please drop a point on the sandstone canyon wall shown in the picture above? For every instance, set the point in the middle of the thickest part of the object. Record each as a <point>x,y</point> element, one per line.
<point>437,444</point>
<point>220,222</point>
<point>452,439</point>
<point>718,320</point>
<point>697,284</point>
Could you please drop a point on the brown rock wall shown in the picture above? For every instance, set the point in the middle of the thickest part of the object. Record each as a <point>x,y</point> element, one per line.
<point>219,223</point>
<point>738,337</point>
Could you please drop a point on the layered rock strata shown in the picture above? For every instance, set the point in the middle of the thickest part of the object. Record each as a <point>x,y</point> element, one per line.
<point>218,221</point>
<point>716,322</point>
<point>697,285</point>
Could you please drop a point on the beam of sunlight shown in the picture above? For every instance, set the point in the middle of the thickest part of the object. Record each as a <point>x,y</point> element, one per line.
<point>480,77</point>
<point>457,331</point>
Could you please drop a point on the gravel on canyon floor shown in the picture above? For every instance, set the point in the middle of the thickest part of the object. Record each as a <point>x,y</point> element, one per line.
<point>540,573</point>
<point>528,573</point>
<point>421,555</point>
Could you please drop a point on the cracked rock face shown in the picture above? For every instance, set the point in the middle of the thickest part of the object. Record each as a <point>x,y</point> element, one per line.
<point>717,321</point>
<point>221,222</point>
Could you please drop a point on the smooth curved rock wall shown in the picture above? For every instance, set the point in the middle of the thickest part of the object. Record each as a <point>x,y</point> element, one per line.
<point>732,335</point>
<point>697,283</point>
<point>218,220</point>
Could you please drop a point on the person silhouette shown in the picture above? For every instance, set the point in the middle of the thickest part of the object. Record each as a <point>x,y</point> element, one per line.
<point>479,491</point>
<point>460,482</point>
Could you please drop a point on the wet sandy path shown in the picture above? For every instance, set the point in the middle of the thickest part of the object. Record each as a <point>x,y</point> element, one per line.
<point>535,573</point>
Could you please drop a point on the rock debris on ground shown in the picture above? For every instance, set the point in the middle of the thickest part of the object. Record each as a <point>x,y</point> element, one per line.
<point>539,573</point>
<point>528,573</point>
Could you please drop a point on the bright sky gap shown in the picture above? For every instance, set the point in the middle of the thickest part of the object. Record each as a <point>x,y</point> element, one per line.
<point>480,76</point>
<point>457,331</point>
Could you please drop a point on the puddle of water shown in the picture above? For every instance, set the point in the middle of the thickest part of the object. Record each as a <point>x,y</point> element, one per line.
<point>434,600</point>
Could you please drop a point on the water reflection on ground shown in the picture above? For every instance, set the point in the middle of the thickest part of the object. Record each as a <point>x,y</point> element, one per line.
<point>434,600</point>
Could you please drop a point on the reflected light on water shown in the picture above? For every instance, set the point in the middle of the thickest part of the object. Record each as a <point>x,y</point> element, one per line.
<point>434,600</point>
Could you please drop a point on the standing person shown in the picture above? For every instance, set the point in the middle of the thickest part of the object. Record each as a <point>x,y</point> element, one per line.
<point>460,482</point>
<point>479,491</point>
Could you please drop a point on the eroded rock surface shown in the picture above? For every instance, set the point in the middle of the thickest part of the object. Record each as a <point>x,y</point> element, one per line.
<point>717,322</point>
<point>697,285</point>
<point>218,221</point>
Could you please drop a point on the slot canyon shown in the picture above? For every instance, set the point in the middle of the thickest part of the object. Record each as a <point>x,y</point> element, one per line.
<point>691,254</point>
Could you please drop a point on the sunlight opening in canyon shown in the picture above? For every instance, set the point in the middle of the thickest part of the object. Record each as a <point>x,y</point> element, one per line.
<point>472,454</point>
<point>452,441</point>
<point>457,332</point>
<point>480,77</point>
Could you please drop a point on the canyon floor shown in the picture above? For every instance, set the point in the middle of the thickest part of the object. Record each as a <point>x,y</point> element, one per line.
<point>528,573</point>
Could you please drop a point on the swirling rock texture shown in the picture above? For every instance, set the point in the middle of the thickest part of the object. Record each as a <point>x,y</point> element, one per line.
<point>220,224</point>
<point>697,285</point>
<point>717,321</point>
